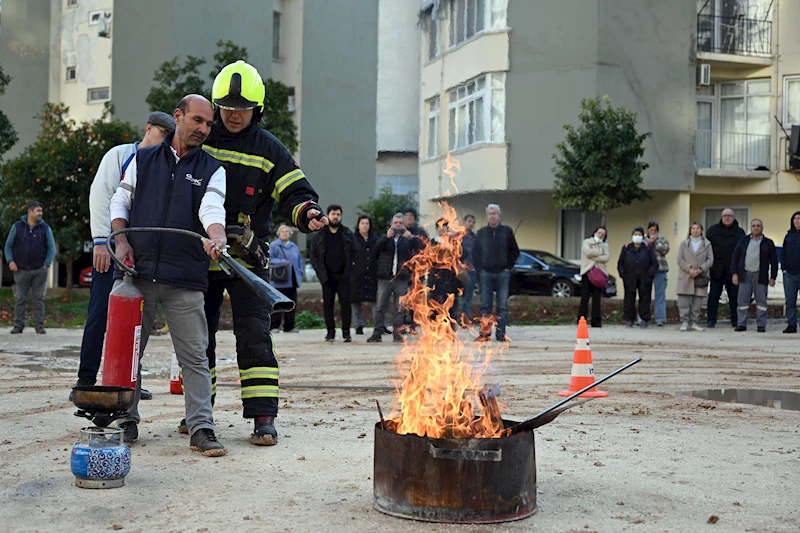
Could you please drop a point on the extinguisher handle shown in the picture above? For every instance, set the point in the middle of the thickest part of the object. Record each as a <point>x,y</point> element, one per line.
<point>130,270</point>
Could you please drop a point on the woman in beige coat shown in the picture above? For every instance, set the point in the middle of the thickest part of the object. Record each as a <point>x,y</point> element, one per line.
<point>594,253</point>
<point>695,257</point>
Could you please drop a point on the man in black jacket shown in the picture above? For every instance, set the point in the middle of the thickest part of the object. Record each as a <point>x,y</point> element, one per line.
<point>261,174</point>
<point>183,188</point>
<point>723,238</point>
<point>331,250</point>
<point>494,254</point>
<point>790,264</point>
<point>754,265</point>
<point>393,249</point>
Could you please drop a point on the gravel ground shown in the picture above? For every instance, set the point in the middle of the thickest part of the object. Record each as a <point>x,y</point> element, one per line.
<point>639,460</point>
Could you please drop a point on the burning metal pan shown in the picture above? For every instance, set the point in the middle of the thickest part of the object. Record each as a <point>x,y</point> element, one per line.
<point>466,481</point>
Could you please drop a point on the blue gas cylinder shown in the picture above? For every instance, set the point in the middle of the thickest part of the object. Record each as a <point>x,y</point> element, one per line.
<point>100,460</point>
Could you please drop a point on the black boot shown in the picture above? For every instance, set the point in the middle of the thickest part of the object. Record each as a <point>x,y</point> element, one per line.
<point>264,433</point>
<point>182,428</point>
<point>205,442</point>
<point>130,432</point>
<point>359,330</point>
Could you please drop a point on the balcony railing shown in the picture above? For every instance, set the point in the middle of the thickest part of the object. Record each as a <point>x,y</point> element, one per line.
<point>731,151</point>
<point>734,35</point>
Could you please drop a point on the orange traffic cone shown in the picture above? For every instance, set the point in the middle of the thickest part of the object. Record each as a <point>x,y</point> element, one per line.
<point>582,368</point>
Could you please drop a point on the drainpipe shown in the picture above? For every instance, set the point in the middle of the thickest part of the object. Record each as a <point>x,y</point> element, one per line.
<point>778,93</point>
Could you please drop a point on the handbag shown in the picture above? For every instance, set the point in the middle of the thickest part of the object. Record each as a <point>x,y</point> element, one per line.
<point>701,282</point>
<point>279,273</point>
<point>597,278</point>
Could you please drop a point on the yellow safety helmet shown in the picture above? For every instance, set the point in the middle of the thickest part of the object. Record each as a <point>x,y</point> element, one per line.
<point>238,86</point>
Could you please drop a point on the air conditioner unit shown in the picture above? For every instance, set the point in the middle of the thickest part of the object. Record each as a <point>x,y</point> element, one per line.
<point>704,75</point>
<point>794,149</point>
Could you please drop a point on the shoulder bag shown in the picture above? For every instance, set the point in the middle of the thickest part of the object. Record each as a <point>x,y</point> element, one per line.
<point>279,273</point>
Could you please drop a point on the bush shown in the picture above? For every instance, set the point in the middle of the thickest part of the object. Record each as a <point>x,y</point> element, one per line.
<point>308,320</point>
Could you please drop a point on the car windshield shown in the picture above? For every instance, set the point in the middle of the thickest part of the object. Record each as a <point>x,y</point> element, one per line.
<point>552,260</point>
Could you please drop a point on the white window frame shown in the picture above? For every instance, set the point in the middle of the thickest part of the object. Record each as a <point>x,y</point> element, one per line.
<point>786,81</point>
<point>744,96</point>
<point>97,100</point>
<point>485,93</point>
<point>433,33</point>
<point>276,42</point>
<point>710,99</point>
<point>737,209</point>
<point>495,17</point>
<point>74,78</point>
<point>432,148</point>
<point>560,246</point>
<point>99,20</point>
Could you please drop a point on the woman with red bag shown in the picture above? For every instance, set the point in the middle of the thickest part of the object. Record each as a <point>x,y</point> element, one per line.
<point>594,276</point>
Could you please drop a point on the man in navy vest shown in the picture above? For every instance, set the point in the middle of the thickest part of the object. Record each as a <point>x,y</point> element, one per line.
<point>30,249</point>
<point>109,173</point>
<point>183,187</point>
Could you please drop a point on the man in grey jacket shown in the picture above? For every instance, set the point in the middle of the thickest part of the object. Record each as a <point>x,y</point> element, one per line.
<point>109,173</point>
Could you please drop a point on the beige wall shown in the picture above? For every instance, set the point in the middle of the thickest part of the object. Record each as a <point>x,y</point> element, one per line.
<point>483,168</point>
<point>774,211</point>
<point>486,53</point>
<point>79,46</point>
<point>288,69</point>
<point>396,165</point>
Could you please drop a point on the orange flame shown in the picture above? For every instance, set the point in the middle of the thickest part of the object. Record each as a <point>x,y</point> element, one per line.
<point>442,376</point>
<point>452,168</point>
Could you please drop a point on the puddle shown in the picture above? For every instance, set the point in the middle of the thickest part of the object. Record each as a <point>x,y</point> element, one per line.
<point>766,398</point>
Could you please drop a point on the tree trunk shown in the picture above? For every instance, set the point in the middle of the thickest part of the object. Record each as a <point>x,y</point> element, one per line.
<point>604,218</point>
<point>68,294</point>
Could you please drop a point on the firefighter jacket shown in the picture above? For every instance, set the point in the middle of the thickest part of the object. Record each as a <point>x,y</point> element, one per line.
<point>260,172</point>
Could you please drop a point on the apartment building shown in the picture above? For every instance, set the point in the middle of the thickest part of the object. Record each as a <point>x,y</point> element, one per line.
<point>500,78</point>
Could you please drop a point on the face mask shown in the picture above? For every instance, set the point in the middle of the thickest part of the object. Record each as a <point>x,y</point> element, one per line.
<point>597,239</point>
<point>637,239</point>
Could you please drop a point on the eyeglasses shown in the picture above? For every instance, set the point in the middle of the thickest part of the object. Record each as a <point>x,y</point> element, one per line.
<point>727,216</point>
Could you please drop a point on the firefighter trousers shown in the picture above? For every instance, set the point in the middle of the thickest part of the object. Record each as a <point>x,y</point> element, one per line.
<point>258,368</point>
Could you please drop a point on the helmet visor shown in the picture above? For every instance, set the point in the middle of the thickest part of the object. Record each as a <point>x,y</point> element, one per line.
<point>237,103</point>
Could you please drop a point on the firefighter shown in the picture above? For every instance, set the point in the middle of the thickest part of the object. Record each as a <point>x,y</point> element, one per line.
<point>260,173</point>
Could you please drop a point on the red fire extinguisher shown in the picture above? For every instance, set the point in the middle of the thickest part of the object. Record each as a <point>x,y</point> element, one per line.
<point>123,335</point>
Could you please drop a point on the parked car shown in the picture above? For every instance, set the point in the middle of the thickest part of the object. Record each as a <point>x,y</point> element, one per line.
<point>543,273</point>
<point>85,278</point>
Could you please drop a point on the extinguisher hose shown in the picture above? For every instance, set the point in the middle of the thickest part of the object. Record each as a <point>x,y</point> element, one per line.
<point>275,300</point>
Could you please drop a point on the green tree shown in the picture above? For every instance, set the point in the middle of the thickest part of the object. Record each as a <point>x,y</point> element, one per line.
<point>58,170</point>
<point>598,165</point>
<point>174,79</point>
<point>384,205</point>
<point>8,135</point>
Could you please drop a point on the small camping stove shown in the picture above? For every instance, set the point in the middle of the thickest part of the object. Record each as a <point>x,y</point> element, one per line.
<point>100,460</point>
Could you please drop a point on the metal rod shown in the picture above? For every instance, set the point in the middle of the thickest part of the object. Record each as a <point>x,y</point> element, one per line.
<point>321,387</point>
<point>522,426</point>
<point>383,422</point>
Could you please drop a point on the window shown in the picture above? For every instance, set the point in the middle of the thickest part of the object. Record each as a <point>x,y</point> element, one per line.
<point>477,111</point>
<point>99,94</point>
<point>72,3</point>
<point>791,101</point>
<point>290,107</point>
<point>712,215</point>
<point>432,36</point>
<point>95,17</point>
<point>400,185</point>
<point>575,227</point>
<point>470,17</point>
<point>433,127</point>
<point>704,134</point>
<point>276,35</point>
<point>71,74</point>
<point>744,124</point>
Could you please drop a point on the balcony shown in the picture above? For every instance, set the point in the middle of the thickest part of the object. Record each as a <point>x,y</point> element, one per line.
<point>722,38</point>
<point>732,154</point>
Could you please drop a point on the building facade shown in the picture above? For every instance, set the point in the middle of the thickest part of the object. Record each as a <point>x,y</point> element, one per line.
<point>499,79</point>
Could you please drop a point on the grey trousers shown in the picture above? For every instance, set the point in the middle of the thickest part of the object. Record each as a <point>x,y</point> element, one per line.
<point>388,289</point>
<point>689,308</point>
<point>358,313</point>
<point>36,282</point>
<point>747,287</point>
<point>183,309</point>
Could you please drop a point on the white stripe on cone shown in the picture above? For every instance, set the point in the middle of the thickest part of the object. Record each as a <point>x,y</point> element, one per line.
<point>582,370</point>
<point>582,344</point>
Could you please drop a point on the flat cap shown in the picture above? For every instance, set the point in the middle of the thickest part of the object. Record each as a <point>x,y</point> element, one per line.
<point>159,118</point>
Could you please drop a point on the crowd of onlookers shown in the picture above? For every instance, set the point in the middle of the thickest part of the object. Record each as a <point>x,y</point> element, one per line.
<point>370,266</point>
<point>724,257</point>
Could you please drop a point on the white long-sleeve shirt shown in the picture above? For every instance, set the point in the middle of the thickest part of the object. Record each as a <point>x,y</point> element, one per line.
<point>212,206</point>
<point>104,185</point>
